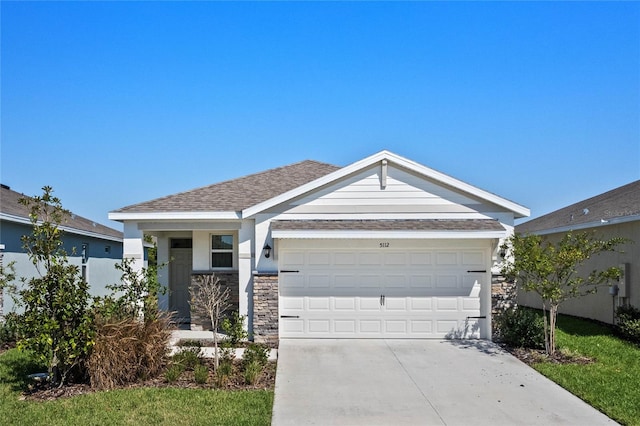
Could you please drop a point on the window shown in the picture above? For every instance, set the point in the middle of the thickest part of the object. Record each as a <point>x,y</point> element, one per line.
<point>222,251</point>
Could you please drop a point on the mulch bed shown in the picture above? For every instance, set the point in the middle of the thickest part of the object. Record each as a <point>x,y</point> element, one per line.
<point>44,392</point>
<point>534,356</point>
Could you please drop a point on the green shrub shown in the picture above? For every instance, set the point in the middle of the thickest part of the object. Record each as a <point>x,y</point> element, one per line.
<point>9,329</point>
<point>252,371</point>
<point>201,374</point>
<point>628,323</point>
<point>173,372</point>
<point>234,328</point>
<point>521,327</point>
<point>225,368</point>
<point>256,352</point>
<point>189,356</point>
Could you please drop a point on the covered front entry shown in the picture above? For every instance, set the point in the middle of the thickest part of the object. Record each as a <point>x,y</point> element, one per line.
<point>366,288</point>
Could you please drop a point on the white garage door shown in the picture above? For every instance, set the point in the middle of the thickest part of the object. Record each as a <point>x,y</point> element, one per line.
<point>386,292</point>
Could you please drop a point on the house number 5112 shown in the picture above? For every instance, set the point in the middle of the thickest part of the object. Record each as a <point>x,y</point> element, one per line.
<point>384,245</point>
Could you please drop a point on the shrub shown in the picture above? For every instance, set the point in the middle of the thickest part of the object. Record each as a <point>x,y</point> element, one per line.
<point>256,352</point>
<point>189,356</point>
<point>201,374</point>
<point>252,371</point>
<point>223,372</point>
<point>9,329</point>
<point>128,350</point>
<point>521,327</point>
<point>233,327</point>
<point>628,323</point>
<point>173,372</point>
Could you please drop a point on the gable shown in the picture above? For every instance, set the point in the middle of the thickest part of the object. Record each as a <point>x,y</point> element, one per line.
<point>375,190</point>
<point>387,161</point>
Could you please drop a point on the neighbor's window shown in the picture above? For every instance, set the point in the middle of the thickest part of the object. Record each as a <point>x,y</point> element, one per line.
<point>222,251</point>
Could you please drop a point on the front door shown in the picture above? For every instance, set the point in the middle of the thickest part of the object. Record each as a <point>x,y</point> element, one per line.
<point>179,279</point>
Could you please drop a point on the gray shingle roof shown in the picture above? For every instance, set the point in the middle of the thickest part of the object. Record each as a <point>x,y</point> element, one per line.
<point>614,204</point>
<point>237,194</point>
<point>9,205</point>
<point>389,225</point>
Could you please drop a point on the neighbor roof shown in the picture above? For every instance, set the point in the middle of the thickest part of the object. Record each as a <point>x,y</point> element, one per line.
<point>617,205</point>
<point>12,210</point>
<point>237,194</point>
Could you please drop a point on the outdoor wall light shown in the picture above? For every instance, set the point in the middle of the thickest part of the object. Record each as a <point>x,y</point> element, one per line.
<point>267,250</point>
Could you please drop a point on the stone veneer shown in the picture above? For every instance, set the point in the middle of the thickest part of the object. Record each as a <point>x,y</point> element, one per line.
<point>503,297</point>
<point>227,280</point>
<point>265,307</point>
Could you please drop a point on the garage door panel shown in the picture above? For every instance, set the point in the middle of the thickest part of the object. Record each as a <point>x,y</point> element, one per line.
<point>318,326</point>
<point>370,326</point>
<point>345,281</point>
<point>446,303</point>
<point>370,259</point>
<point>292,303</point>
<point>395,304</point>
<point>395,259</point>
<point>447,259</point>
<point>369,281</point>
<point>319,258</point>
<point>292,326</point>
<point>344,304</point>
<point>319,281</point>
<point>397,281</point>
<point>345,327</point>
<point>421,304</point>
<point>395,326</point>
<point>475,258</point>
<point>447,281</point>
<point>318,304</point>
<point>420,259</point>
<point>368,304</point>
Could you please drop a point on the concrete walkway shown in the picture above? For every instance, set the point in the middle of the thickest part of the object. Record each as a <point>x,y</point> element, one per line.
<point>416,382</point>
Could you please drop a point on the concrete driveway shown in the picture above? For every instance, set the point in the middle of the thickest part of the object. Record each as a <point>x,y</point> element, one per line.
<point>416,382</point>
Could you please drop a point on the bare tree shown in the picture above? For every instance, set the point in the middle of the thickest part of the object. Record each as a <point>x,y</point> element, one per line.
<point>208,298</point>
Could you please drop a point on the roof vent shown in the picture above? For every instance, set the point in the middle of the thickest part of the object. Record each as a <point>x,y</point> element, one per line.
<point>585,211</point>
<point>2,185</point>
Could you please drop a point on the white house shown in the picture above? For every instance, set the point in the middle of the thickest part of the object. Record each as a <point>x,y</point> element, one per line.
<point>382,248</point>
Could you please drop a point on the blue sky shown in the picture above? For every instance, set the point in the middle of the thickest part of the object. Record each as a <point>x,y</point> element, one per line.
<point>114,103</point>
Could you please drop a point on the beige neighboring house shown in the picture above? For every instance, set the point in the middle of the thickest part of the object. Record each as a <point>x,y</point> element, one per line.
<point>382,248</point>
<point>615,213</point>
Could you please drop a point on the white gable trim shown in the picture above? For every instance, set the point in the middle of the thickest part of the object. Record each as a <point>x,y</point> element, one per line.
<point>68,229</point>
<point>518,210</point>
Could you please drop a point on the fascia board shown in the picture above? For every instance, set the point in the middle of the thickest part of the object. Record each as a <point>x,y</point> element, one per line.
<point>414,235</point>
<point>67,229</point>
<point>124,216</point>
<point>520,211</point>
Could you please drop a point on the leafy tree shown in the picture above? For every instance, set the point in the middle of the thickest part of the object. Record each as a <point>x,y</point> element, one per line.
<point>57,324</point>
<point>551,270</point>
<point>210,299</point>
<point>7,276</point>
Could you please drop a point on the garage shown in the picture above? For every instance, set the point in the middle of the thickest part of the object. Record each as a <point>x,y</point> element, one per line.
<point>383,288</point>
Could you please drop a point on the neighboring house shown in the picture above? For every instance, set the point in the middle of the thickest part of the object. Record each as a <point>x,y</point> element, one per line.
<point>94,248</point>
<point>615,213</point>
<point>382,248</point>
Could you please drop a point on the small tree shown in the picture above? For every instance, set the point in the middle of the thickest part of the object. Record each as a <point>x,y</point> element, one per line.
<point>551,270</point>
<point>57,324</point>
<point>210,299</point>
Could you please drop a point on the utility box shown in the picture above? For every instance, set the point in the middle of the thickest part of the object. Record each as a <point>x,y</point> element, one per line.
<point>623,282</point>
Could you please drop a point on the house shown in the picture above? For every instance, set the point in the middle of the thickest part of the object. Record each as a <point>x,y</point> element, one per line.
<point>382,248</point>
<point>94,248</point>
<point>615,213</point>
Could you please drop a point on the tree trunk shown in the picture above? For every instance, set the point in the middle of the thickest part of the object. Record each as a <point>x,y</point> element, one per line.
<point>553,314</point>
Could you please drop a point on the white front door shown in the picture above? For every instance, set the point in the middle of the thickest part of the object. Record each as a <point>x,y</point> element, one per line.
<point>396,289</point>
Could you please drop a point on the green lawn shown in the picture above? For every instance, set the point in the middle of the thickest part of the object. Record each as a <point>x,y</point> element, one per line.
<point>611,383</point>
<point>170,406</point>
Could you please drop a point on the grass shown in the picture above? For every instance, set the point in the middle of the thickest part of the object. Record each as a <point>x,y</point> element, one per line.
<point>147,406</point>
<point>610,383</point>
